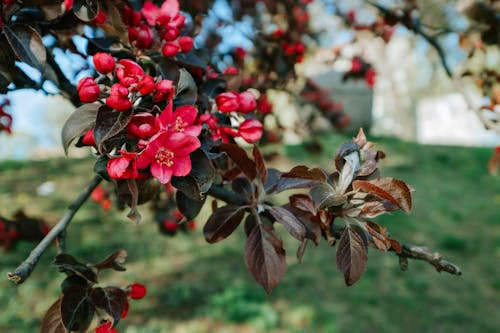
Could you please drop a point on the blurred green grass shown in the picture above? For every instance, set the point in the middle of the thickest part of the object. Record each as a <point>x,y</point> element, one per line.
<point>197,287</point>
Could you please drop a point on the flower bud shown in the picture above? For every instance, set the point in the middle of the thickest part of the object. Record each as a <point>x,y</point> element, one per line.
<point>88,90</point>
<point>142,126</point>
<point>185,43</point>
<point>246,102</point>
<point>251,130</point>
<point>118,98</point>
<point>164,91</point>
<point>227,102</point>
<point>104,62</point>
<point>170,49</point>
<point>136,290</point>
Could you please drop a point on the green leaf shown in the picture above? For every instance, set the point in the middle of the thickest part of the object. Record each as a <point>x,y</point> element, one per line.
<point>27,45</point>
<point>80,121</point>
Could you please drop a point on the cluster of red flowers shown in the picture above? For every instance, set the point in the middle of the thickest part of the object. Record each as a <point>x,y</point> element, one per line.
<point>165,21</point>
<point>5,119</point>
<point>134,291</point>
<point>171,225</point>
<point>100,197</point>
<point>8,236</point>
<point>360,68</point>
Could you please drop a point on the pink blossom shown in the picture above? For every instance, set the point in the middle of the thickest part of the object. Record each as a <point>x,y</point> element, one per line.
<point>167,154</point>
<point>129,72</point>
<point>181,120</point>
<point>123,167</point>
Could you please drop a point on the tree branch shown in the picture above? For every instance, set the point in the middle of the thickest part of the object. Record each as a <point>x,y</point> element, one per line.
<point>421,253</point>
<point>226,195</point>
<point>24,270</point>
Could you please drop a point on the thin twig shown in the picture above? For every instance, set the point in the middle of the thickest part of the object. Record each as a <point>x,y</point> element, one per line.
<point>24,270</point>
<point>421,253</point>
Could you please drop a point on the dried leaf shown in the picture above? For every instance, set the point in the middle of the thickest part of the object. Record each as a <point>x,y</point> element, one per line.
<point>80,121</point>
<point>223,222</point>
<point>265,256</point>
<point>351,255</point>
<point>393,190</point>
<point>52,321</point>
<point>289,221</point>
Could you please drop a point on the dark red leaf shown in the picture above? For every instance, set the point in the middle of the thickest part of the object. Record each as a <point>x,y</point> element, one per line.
<point>303,172</point>
<point>393,190</point>
<point>80,121</point>
<point>222,223</point>
<point>108,124</point>
<point>265,256</point>
<point>303,202</point>
<point>133,213</point>
<point>69,265</point>
<point>259,162</point>
<point>313,229</point>
<point>112,300</point>
<point>52,321</point>
<point>27,45</point>
<point>344,150</point>
<point>324,196</point>
<point>76,310</point>
<point>189,207</point>
<point>289,221</point>
<point>113,261</point>
<point>301,250</point>
<point>379,236</point>
<point>396,245</point>
<point>240,157</point>
<point>351,255</point>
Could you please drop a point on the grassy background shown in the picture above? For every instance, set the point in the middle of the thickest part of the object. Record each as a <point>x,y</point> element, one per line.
<point>197,287</point>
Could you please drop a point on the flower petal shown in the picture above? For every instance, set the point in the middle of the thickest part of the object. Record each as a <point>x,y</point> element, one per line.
<point>182,166</point>
<point>161,171</point>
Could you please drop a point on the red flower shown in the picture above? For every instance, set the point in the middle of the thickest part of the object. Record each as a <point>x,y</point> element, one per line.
<point>98,195</point>
<point>170,49</point>
<point>104,62</point>
<point>88,138</point>
<point>231,71</point>
<point>251,130</point>
<point>68,5</point>
<point>181,120</point>
<point>177,20</point>
<point>146,85</point>
<point>123,167</point>
<point>142,36</point>
<point>246,102</point>
<point>167,154</point>
<point>5,121</point>
<point>125,310</point>
<point>170,33</point>
<point>142,126</point>
<point>356,65</point>
<point>118,98</point>
<point>370,77</point>
<point>129,72</point>
<point>264,106</point>
<point>136,290</point>
<point>105,328</point>
<point>130,16</point>
<point>227,102</point>
<point>185,43</point>
<point>88,90</point>
<point>170,226</point>
<point>240,52</point>
<point>164,91</point>
<point>100,18</point>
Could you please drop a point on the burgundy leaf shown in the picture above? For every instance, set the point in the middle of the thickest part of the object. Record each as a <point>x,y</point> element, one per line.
<point>69,265</point>
<point>372,209</point>
<point>265,256</point>
<point>113,261</point>
<point>301,249</point>
<point>223,222</point>
<point>52,322</point>
<point>80,121</point>
<point>302,202</point>
<point>396,245</point>
<point>313,229</point>
<point>393,190</point>
<point>76,310</point>
<point>86,10</point>
<point>324,195</point>
<point>108,124</point>
<point>259,162</point>
<point>303,172</point>
<point>112,300</point>
<point>27,45</point>
<point>133,213</point>
<point>240,157</point>
<point>379,236</point>
<point>289,221</point>
<point>351,255</point>
<point>189,207</point>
